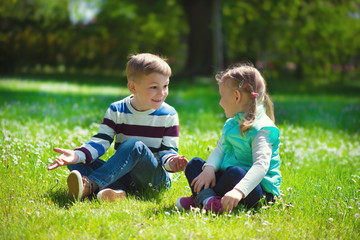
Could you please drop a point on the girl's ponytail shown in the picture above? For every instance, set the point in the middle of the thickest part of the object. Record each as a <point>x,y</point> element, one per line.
<point>249,118</point>
<point>269,106</point>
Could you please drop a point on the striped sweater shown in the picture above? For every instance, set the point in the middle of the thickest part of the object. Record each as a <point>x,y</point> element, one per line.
<point>157,129</point>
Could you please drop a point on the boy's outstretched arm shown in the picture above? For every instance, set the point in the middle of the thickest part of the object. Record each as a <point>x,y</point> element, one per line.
<point>67,157</point>
<point>178,163</point>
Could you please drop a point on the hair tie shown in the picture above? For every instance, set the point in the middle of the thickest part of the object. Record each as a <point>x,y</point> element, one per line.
<point>242,84</point>
<point>254,94</point>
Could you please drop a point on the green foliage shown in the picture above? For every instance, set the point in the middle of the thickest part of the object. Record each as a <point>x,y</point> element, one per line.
<point>319,37</point>
<point>305,38</point>
<point>38,37</point>
<point>319,152</point>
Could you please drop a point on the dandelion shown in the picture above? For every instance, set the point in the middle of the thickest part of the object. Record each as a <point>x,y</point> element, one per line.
<point>265,223</point>
<point>331,219</point>
<point>37,213</point>
<point>356,216</point>
<point>289,205</point>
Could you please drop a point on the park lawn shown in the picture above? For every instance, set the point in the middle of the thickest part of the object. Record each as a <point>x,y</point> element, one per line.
<point>320,153</point>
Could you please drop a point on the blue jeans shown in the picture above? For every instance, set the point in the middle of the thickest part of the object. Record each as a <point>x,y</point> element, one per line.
<point>225,181</point>
<point>132,167</point>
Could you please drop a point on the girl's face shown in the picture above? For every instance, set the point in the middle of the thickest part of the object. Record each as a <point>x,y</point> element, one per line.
<point>228,100</point>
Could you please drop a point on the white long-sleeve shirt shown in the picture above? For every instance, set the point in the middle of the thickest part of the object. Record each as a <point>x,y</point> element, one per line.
<point>261,156</point>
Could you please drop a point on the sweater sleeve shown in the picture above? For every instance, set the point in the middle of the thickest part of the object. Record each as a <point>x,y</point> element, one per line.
<point>170,141</point>
<point>99,143</point>
<point>215,157</point>
<point>261,151</point>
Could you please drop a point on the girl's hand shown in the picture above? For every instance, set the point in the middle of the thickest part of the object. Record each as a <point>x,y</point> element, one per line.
<point>178,163</point>
<point>67,157</point>
<point>231,199</point>
<point>206,179</point>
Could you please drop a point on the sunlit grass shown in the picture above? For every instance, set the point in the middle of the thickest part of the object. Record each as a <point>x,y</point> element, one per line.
<point>320,156</point>
<point>60,87</point>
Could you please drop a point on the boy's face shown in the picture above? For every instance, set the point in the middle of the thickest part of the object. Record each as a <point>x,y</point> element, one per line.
<point>149,91</point>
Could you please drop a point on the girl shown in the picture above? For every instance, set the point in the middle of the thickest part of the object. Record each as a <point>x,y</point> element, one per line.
<point>245,164</point>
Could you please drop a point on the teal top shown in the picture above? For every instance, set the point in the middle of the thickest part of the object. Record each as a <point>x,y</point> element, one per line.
<point>237,149</point>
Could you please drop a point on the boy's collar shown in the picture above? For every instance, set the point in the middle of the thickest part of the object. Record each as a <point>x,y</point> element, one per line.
<point>133,109</point>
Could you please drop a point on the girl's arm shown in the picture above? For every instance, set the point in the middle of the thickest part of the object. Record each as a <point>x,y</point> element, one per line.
<point>261,151</point>
<point>215,157</point>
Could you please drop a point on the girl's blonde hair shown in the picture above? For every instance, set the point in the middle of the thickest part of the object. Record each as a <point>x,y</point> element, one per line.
<point>247,78</point>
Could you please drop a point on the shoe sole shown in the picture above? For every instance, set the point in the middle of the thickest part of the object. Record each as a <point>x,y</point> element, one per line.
<point>110,195</point>
<point>74,182</point>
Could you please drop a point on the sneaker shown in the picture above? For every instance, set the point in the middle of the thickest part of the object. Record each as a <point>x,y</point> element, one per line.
<point>88,187</point>
<point>214,205</point>
<point>110,195</point>
<point>185,203</point>
<point>75,185</point>
<point>79,187</point>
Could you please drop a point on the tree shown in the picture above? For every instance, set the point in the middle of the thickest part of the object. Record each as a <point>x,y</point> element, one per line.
<point>204,53</point>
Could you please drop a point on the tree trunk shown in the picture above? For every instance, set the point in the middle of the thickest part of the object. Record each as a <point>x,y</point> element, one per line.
<point>200,38</point>
<point>217,35</point>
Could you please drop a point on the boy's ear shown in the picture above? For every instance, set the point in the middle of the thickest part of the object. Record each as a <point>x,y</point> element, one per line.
<point>237,96</point>
<point>131,86</point>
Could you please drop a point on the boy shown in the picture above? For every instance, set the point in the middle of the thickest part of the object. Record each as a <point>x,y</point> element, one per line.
<point>147,135</point>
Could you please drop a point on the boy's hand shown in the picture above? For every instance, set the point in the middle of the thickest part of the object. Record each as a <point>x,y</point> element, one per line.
<point>178,163</point>
<point>67,157</point>
<point>231,199</point>
<point>206,179</point>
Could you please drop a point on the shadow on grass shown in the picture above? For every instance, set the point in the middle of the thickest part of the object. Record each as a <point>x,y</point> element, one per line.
<point>259,207</point>
<point>59,196</point>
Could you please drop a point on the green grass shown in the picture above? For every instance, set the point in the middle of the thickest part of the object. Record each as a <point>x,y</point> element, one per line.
<point>320,154</point>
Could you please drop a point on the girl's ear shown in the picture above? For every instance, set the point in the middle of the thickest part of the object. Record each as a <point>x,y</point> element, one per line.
<point>131,86</point>
<point>237,96</point>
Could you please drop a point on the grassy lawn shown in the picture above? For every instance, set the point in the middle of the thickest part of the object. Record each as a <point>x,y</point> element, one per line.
<point>320,155</point>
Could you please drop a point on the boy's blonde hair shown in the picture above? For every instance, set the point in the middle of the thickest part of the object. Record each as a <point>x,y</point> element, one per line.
<point>248,79</point>
<point>145,64</point>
